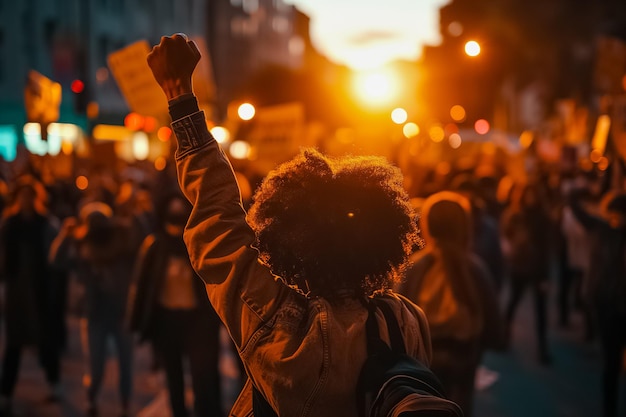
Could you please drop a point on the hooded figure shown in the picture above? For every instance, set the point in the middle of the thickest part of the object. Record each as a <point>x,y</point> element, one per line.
<point>97,246</point>
<point>453,287</point>
<point>25,237</point>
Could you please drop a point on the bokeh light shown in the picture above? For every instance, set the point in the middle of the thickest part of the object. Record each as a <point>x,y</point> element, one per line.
<point>150,124</point>
<point>67,147</point>
<point>526,139</point>
<point>399,115</point>
<point>102,74</point>
<point>77,86</point>
<point>472,48</point>
<point>239,149</point>
<point>82,182</point>
<point>133,121</point>
<point>457,112</point>
<point>221,134</point>
<point>481,126</point>
<point>455,140</point>
<point>410,130</point>
<point>164,133</point>
<point>246,111</point>
<point>140,145</point>
<point>160,163</point>
<point>436,133</point>
<point>455,29</point>
<point>451,128</point>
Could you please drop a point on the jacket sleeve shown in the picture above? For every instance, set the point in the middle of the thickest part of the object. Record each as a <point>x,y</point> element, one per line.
<point>243,292</point>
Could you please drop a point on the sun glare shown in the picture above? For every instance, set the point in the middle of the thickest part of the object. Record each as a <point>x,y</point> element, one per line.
<point>375,88</point>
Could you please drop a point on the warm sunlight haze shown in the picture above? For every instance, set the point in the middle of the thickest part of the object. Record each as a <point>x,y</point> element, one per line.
<point>376,88</point>
<point>366,34</point>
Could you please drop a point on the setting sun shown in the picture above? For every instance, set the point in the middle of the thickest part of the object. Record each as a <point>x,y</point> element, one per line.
<point>376,88</point>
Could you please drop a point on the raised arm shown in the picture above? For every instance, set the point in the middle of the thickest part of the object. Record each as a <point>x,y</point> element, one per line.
<point>218,239</point>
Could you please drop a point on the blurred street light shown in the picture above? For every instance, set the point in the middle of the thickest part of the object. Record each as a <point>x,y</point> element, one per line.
<point>239,149</point>
<point>472,48</point>
<point>221,134</point>
<point>455,140</point>
<point>410,130</point>
<point>481,126</point>
<point>246,111</point>
<point>457,112</point>
<point>399,115</point>
<point>436,133</point>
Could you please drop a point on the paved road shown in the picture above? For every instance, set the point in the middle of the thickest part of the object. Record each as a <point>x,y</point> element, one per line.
<point>570,387</point>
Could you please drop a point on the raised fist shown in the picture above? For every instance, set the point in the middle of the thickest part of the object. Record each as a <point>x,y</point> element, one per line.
<point>172,62</point>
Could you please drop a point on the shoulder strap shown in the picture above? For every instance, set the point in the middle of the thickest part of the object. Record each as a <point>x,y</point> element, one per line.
<point>260,406</point>
<point>395,334</point>
<point>374,341</point>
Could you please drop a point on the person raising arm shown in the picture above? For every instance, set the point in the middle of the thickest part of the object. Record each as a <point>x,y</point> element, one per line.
<point>289,279</point>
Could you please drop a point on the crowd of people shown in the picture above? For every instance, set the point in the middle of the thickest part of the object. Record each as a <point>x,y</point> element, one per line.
<point>290,273</point>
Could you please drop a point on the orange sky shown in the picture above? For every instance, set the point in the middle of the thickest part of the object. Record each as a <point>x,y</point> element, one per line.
<point>365,34</point>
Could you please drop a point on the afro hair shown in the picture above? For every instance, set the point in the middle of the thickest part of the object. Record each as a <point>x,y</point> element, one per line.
<point>330,226</point>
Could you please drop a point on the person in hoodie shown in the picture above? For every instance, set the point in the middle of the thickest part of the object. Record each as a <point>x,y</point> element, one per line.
<point>98,248</point>
<point>25,238</point>
<point>454,288</point>
<point>170,308</point>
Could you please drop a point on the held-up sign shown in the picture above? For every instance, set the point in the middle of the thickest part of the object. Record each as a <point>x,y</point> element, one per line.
<point>133,76</point>
<point>42,98</point>
<point>275,133</point>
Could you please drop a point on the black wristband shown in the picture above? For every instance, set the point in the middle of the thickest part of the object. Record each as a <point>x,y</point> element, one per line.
<point>182,106</point>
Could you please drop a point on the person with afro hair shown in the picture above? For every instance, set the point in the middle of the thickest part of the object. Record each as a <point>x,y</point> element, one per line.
<point>292,279</point>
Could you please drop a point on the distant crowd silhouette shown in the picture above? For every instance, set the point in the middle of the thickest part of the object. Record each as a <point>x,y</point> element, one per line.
<point>294,271</point>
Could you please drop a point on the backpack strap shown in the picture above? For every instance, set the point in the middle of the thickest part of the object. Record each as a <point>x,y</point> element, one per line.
<point>393,327</point>
<point>374,342</point>
<point>260,406</point>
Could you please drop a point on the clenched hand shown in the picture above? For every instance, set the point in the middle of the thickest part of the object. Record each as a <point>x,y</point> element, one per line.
<point>172,62</point>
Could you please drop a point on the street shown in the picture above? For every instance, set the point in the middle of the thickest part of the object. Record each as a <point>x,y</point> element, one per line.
<point>570,387</point>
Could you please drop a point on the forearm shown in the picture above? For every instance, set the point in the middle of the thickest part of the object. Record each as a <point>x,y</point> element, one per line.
<point>218,239</point>
<point>206,178</point>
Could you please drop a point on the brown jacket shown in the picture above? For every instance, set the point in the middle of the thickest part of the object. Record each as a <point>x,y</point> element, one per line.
<point>303,354</point>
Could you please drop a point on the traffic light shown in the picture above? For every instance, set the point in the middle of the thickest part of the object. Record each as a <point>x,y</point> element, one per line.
<point>81,98</point>
<point>80,86</point>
